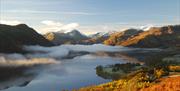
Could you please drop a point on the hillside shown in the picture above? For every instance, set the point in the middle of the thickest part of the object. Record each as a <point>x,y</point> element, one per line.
<point>119,37</point>
<point>167,36</point>
<point>94,40</point>
<point>154,37</point>
<point>162,78</point>
<point>97,38</point>
<point>71,37</point>
<point>13,37</point>
<point>158,73</point>
<point>164,84</point>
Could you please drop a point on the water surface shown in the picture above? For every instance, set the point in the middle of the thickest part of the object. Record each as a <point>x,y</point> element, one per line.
<point>55,73</point>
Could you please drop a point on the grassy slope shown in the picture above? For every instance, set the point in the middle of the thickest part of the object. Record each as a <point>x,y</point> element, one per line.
<point>142,81</point>
<point>166,84</point>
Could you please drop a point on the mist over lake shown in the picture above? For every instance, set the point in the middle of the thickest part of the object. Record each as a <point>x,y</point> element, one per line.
<point>89,45</point>
<point>54,68</point>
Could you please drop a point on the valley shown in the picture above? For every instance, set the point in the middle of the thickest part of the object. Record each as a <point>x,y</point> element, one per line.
<point>55,61</point>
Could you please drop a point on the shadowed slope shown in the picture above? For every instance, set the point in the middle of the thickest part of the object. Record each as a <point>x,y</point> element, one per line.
<point>13,37</point>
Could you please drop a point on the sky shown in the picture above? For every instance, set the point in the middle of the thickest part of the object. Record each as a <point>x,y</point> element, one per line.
<point>89,16</point>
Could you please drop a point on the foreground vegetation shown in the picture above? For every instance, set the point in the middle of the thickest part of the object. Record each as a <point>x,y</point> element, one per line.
<point>142,80</point>
<point>164,76</point>
<point>165,84</point>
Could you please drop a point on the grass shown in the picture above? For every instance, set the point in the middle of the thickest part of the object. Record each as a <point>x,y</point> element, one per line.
<point>140,80</point>
<point>143,79</point>
<point>165,84</point>
<point>148,77</point>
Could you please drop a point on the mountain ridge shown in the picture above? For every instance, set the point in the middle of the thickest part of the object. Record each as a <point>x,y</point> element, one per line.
<point>12,38</point>
<point>71,37</point>
<point>166,36</point>
<point>118,37</point>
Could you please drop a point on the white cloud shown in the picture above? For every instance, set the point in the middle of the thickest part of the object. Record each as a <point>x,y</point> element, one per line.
<point>70,26</point>
<point>9,22</point>
<point>101,28</point>
<point>51,23</point>
<point>51,12</point>
<point>52,26</point>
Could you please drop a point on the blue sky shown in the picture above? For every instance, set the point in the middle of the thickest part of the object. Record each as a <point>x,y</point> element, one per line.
<point>90,16</point>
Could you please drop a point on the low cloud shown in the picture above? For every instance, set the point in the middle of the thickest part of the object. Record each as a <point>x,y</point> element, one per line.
<point>27,62</point>
<point>10,22</point>
<point>52,26</point>
<point>63,50</point>
<point>50,55</point>
<point>19,60</point>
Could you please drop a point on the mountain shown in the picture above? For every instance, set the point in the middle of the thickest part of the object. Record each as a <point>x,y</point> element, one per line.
<point>13,37</point>
<point>75,34</point>
<point>118,37</point>
<point>97,38</point>
<point>101,34</point>
<point>72,37</point>
<point>96,35</point>
<point>166,36</point>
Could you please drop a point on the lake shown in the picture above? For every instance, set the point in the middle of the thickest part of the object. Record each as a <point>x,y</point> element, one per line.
<point>64,67</point>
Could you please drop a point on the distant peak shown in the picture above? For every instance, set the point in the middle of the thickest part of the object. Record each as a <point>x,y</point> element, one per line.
<point>75,31</point>
<point>22,25</point>
<point>102,34</point>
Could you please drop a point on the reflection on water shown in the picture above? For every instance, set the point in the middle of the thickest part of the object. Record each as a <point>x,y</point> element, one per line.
<point>15,76</point>
<point>147,58</point>
<point>71,73</point>
<point>77,69</point>
<point>119,55</point>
